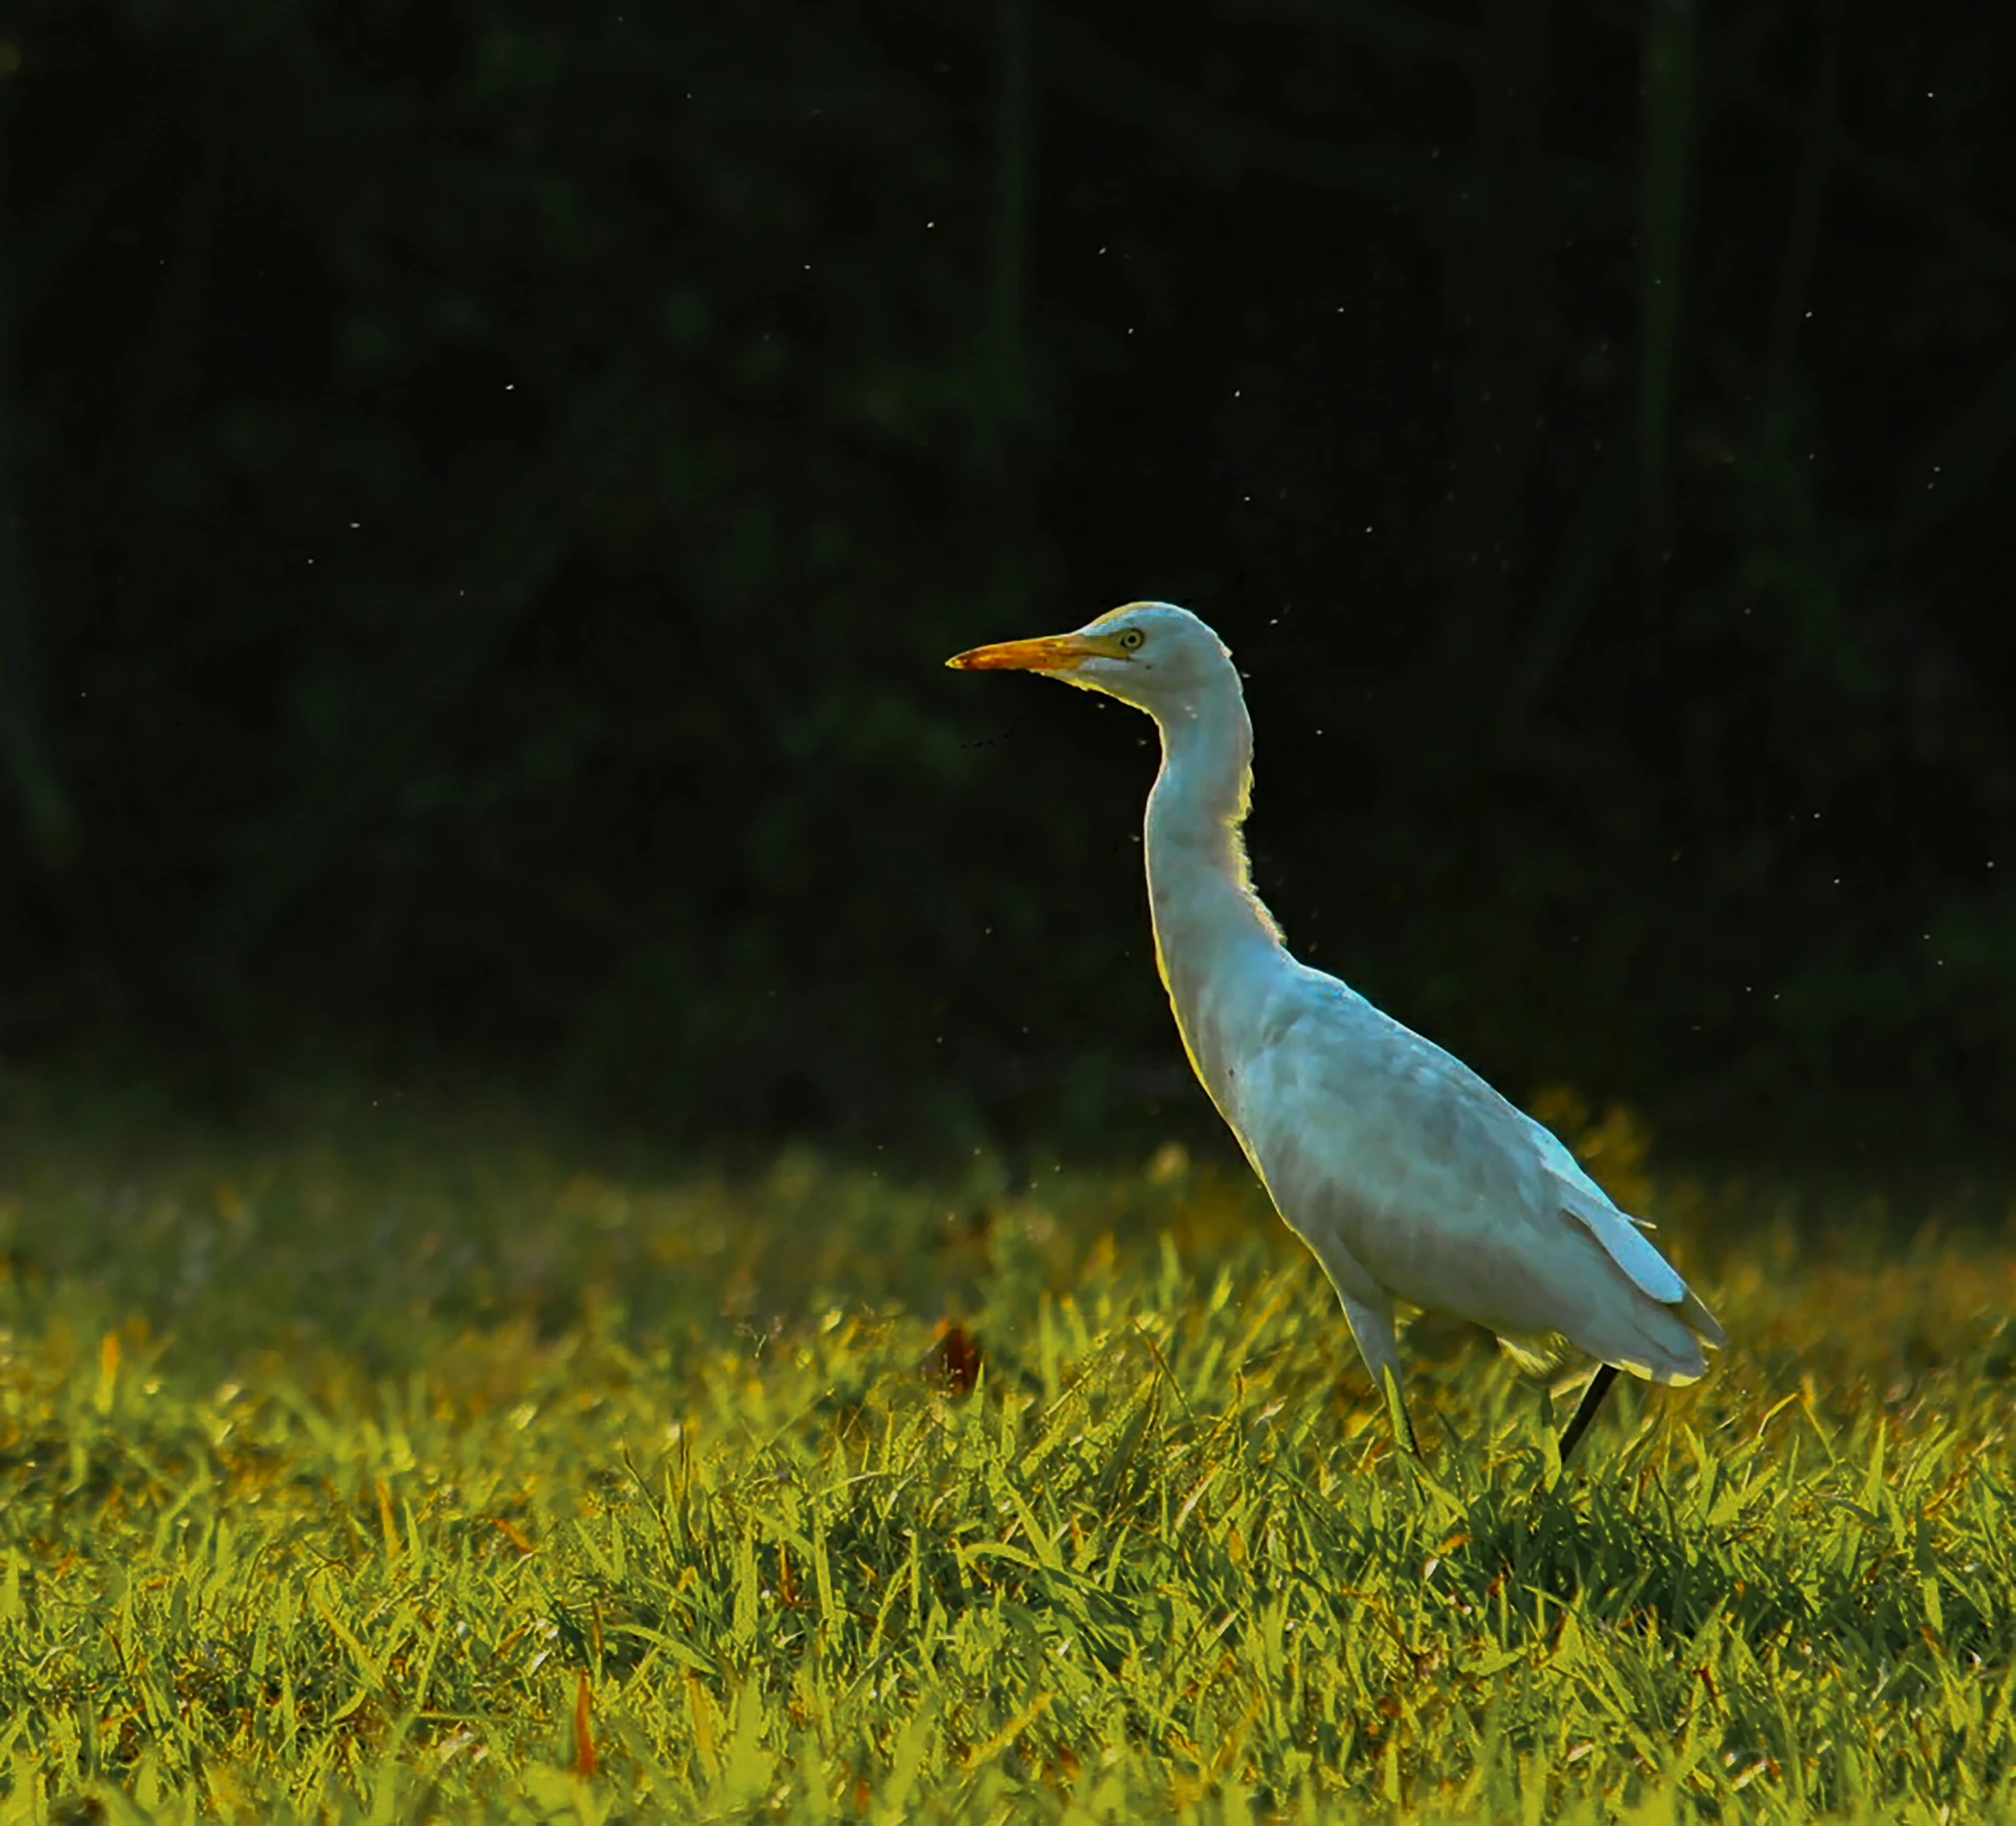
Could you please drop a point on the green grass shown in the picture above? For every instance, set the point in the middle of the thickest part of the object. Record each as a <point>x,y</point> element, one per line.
<point>388,1468</point>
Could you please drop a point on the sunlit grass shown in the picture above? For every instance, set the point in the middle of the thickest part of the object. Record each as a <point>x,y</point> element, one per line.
<point>407,1468</point>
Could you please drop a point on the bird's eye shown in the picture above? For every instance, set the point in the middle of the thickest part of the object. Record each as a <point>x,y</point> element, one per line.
<point>1130,638</point>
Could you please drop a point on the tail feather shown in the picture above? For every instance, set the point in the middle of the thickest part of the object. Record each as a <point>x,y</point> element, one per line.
<point>1699,1320</point>
<point>1668,1324</point>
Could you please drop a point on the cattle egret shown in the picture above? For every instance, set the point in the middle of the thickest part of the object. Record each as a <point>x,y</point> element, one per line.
<point>1408,1175</point>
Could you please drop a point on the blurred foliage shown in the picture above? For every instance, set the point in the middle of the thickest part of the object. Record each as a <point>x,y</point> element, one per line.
<point>483,491</point>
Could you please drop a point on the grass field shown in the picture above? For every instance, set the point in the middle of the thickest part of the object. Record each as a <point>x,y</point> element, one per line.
<point>389,1468</point>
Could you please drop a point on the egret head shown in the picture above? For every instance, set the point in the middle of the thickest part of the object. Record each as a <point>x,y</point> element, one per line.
<point>1154,656</point>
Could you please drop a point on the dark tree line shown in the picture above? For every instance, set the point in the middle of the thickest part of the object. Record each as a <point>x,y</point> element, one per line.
<point>484,488</point>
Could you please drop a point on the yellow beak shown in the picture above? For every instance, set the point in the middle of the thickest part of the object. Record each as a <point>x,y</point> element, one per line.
<point>1047,653</point>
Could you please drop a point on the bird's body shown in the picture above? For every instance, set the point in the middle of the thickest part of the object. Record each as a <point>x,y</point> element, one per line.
<point>1408,1175</point>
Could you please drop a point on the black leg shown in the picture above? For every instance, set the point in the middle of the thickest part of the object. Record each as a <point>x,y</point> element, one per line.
<point>1592,1398</point>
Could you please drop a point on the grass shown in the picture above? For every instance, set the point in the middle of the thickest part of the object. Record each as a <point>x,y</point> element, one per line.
<point>388,1468</point>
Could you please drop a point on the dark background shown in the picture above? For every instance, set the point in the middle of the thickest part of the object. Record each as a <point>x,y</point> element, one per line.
<point>485,490</point>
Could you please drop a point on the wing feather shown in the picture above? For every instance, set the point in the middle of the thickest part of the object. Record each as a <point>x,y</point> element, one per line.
<point>1377,1139</point>
<point>1651,1273</point>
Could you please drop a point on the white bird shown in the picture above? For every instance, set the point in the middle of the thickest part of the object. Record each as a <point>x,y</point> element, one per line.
<point>1408,1175</point>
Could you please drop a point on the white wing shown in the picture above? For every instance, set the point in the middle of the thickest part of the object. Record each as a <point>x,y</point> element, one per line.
<point>1393,1157</point>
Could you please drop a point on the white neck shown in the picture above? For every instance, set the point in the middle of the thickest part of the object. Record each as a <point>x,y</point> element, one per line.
<point>1215,944</point>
